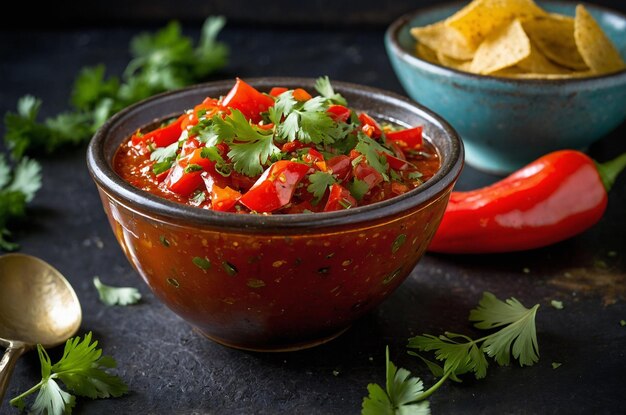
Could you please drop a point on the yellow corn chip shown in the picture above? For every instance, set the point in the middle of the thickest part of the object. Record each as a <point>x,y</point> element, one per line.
<point>503,48</point>
<point>445,39</point>
<point>461,65</point>
<point>479,18</point>
<point>570,75</point>
<point>537,63</point>
<point>594,46</point>
<point>426,53</point>
<point>554,37</point>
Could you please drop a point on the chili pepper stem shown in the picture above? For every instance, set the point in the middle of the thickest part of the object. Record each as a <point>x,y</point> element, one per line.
<point>610,170</point>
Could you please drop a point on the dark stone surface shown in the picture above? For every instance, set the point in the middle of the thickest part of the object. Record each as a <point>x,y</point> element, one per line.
<point>171,369</point>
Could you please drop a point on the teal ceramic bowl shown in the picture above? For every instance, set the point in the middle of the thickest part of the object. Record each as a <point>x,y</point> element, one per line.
<point>506,123</point>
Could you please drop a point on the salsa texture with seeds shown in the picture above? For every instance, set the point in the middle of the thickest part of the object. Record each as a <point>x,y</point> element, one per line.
<point>281,152</point>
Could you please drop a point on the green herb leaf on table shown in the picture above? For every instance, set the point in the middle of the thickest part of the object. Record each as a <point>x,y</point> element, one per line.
<point>402,395</point>
<point>17,188</point>
<point>84,371</point>
<point>110,295</point>
<point>161,61</point>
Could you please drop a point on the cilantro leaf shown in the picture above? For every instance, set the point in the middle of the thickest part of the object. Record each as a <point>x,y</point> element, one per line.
<point>250,146</point>
<point>17,188</point>
<point>520,333</point>
<point>372,152</point>
<point>358,188</point>
<point>110,295</point>
<point>403,394</point>
<point>82,369</point>
<point>320,181</point>
<point>161,154</point>
<point>323,86</point>
<point>90,87</point>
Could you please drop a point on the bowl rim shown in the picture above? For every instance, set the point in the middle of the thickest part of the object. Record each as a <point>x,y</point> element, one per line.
<point>147,204</point>
<point>391,37</point>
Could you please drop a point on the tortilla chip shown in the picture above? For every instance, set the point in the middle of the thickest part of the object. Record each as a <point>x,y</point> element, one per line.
<point>503,48</point>
<point>479,18</point>
<point>444,39</point>
<point>570,75</point>
<point>554,37</point>
<point>537,63</point>
<point>426,53</point>
<point>594,46</point>
<point>461,65</point>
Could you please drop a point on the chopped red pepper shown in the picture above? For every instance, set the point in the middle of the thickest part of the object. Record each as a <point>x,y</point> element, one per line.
<point>368,174</point>
<point>340,167</point>
<point>370,127</point>
<point>277,90</point>
<point>223,198</point>
<point>164,136</point>
<point>301,95</point>
<point>248,100</point>
<point>184,182</point>
<point>339,199</point>
<point>410,138</point>
<point>275,187</point>
<point>395,162</point>
<point>339,113</point>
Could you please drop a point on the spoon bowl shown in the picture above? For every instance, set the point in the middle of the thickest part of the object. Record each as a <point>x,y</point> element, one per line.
<point>37,306</point>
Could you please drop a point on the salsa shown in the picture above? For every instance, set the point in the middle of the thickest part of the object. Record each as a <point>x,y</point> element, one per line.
<point>281,152</point>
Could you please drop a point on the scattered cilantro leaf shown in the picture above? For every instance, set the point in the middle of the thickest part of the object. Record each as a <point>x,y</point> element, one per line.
<point>324,87</point>
<point>161,154</point>
<point>557,304</point>
<point>17,188</point>
<point>83,370</point>
<point>622,323</point>
<point>110,295</point>
<point>320,181</point>
<point>402,396</point>
<point>556,365</point>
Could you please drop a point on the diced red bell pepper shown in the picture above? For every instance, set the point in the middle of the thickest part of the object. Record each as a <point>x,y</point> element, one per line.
<point>189,146</point>
<point>410,138</point>
<point>368,174</point>
<point>301,95</point>
<point>340,167</point>
<point>185,183</point>
<point>209,106</point>
<point>398,188</point>
<point>316,158</point>
<point>248,100</point>
<point>164,136</point>
<point>275,187</point>
<point>339,199</point>
<point>277,90</point>
<point>290,146</point>
<point>223,198</point>
<point>395,162</point>
<point>339,113</point>
<point>369,126</point>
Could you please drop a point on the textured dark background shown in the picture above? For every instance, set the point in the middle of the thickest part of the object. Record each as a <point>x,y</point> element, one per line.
<point>171,369</point>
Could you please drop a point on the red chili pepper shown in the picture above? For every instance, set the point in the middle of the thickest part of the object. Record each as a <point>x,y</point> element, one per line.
<point>301,95</point>
<point>277,90</point>
<point>410,138</point>
<point>223,198</point>
<point>341,167</point>
<point>184,182</point>
<point>554,198</point>
<point>275,187</point>
<point>248,100</point>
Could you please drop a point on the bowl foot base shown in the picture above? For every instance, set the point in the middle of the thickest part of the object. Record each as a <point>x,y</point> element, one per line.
<point>274,348</point>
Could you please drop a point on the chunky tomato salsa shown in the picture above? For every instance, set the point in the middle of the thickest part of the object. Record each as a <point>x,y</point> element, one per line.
<point>285,151</point>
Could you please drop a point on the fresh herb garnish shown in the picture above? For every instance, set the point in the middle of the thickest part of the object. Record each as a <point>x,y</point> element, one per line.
<point>17,188</point>
<point>324,87</point>
<point>401,396</point>
<point>372,151</point>
<point>110,295</point>
<point>358,188</point>
<point>82,369</point>
<point>320,181</point>
<point>460,354</point>
<point>162,61</point>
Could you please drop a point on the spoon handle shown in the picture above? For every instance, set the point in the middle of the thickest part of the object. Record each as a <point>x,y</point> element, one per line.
<point>13,352</point>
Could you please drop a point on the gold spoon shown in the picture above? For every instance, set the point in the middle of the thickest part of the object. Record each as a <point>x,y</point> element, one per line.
<point>37,305</point>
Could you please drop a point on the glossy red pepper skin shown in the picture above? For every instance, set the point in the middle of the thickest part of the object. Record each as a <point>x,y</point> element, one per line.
<point>248,100</point>
<point>554,198</point>
<point>163,136</point>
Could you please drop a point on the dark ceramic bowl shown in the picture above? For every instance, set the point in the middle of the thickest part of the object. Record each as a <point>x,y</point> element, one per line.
<point>278,282</point>
<point>507,123</point>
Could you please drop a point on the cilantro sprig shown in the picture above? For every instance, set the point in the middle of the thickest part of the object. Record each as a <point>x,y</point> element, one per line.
<point>17,188</point>
<point>161,61</point>
<point>84,372</point>
<point>460,354</point>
